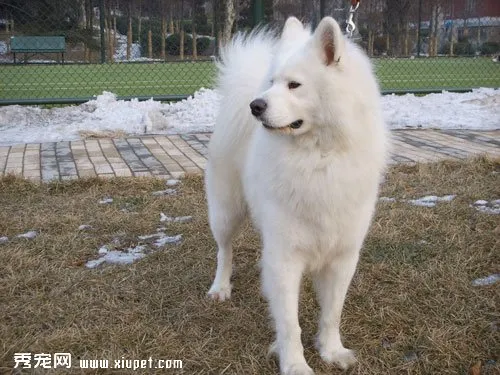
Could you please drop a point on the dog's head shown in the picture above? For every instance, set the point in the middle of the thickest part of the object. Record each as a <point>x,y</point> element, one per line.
<point>303,62</point>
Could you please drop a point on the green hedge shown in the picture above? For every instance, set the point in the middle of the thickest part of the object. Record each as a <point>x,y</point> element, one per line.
<point>490,48</point>
<point>173,44</point>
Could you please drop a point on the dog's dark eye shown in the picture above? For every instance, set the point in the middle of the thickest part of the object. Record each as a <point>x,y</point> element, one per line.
<point>293,85</point>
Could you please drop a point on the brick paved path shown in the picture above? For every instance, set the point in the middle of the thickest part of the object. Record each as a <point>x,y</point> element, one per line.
<point>175,155</point>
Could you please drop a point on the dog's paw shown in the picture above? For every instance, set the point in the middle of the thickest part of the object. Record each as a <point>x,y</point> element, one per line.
<point>298,369</point>
<point>344,358</point>
<point>220,292</point>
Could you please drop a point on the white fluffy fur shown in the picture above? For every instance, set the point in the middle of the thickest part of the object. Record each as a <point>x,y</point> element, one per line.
<point>310,191</point>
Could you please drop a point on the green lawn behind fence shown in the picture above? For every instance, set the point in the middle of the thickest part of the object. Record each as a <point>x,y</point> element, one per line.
<point>32,81</point>
<point>437,73</point>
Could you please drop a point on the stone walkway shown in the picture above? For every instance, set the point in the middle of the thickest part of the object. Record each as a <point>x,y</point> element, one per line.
<point>174,155</point>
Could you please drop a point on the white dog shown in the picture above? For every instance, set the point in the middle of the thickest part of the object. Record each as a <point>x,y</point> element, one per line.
<point>300,142</point>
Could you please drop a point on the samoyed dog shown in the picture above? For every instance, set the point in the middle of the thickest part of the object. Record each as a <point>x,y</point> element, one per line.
<point>300,145</point>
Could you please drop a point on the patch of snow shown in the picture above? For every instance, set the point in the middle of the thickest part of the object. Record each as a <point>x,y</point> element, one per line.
<point>194,114</point>
<point>106,201</point>
<point>131,254</point>
<point>172,182</point>
<point>127,256</point>
<point>176,219</point>
<point>492,207</point>
<point>29,235</point>
<point>149,236</point>
<point>4,239</point>
<point>103,115</point>
<point>387,199</point>
<point>163,240</point>
<point>471,110</point>
<point>476,110</point>
<point>121,49</point>
<point>164,192</point>
<point>480,202</point>
<point>103,250</point>
<point>94,263</point>
<point>489,280</point>
<point>430,200</point>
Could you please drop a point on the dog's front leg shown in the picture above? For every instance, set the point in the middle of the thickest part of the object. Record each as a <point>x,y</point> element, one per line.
<point>331,283</point>
<point>281,276</point>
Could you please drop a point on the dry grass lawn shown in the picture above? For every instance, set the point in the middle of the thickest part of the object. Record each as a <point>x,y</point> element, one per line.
<point>411,308</point>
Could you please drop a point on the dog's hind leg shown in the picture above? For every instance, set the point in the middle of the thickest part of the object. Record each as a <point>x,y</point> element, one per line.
<point>331,283</point>
<point>226,212</point>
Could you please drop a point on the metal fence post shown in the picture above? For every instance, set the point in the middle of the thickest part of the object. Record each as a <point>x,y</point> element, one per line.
<point>258,12</point>
<point>101,27</point>
<point>419,30</point>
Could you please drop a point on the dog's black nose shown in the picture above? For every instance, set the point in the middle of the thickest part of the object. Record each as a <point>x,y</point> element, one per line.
<point>258,107</point>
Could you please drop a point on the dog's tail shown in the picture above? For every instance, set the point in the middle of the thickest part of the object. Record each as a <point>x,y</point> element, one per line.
<point>242,70</point>
<point>244,63</point>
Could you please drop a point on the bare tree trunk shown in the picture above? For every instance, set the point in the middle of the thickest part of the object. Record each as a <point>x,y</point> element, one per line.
<point>452,27</point>
<point>150,43</point>
<point>433,30</point>
<point>115,33</point>
<point>452,40</point>
<point>129,33</point>
<point>111,39</point>
<point>171,28</point>
<point>181,45</point>
<point>88,26</point>
<point>479,31</point>
<point>108,24</point>
<point>230,17</point>
<point>195,47</point>
<point>370,42</point>
<point>83,9</point>
<point>139,23</point>
<point>163,37</point>
<point>406,50</point>
<point>181,28</point>
<point>106,30</point>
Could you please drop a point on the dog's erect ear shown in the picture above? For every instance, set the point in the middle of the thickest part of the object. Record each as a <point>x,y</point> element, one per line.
<point>329,41</point>
<point>292,28</point>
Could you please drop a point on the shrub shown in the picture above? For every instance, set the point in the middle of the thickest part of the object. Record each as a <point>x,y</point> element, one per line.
<point>459,49</point>
<point>490,48</point>
<point>379,45</point>
<point>202,44</point>
<point>173,44</point>
<point>463,49</point>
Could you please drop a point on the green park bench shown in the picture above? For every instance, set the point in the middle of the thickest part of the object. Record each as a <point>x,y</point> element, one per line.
<point>37,45</point>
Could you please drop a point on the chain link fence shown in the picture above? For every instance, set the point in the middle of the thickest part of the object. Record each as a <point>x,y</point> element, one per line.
<point>66,51</point>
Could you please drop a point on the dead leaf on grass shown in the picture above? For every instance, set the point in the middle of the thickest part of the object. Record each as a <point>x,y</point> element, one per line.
<point>475,369</point>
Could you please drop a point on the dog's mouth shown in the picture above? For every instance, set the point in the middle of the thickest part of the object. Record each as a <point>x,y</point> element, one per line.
<point>294,125</point>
